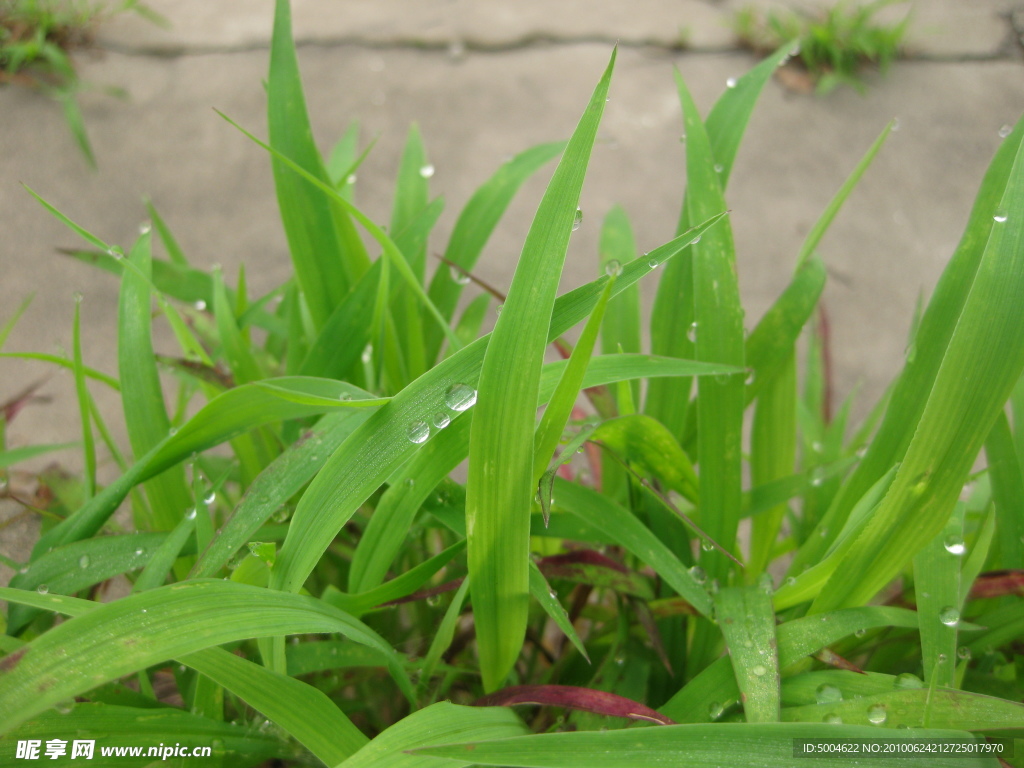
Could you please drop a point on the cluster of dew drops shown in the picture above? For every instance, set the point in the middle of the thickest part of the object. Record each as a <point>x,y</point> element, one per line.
<point>458,398</point>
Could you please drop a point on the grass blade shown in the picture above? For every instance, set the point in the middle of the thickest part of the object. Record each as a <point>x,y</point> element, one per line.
<point>305,212</point>
<point>501,451</point>
<point>141,394</point>
<point>122,637</point>
<point>747,619</point>
<point>979,367</point>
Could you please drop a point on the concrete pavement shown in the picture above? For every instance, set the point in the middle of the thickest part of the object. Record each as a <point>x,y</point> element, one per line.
<point>485,80</point>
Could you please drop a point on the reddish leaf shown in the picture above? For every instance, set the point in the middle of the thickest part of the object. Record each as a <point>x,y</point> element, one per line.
<point>998,584</point>
<point>833,659</point>
<point>573,697</point>
<point>27,396</point>
<point>423,594</point>
<point>586,566</point>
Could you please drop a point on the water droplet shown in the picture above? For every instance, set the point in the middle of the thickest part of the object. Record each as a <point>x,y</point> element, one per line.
<point>751,376</point>
<point>172,431</point>
<point>760,670</point>
<point>427,171</point>
<point>653,263</point>
<point>83,561</point>
<point>860,632</point>
<point>145,227</point>
<point>895,124</point>
<point>577,219</point>
<point>877,714</point>
<point>23,569</point>
<point>715,710</point>
<point>818,476</point>
<point>199,305</point>
<point>941,658</point>
<point>497,309</point>
<point>64,707</point>
<point>350,179</point>
<point>999,216</point>
<point>620,660</point>
<point>139,552</point>
<point>1005,131</point>
<point>908,682</point>
<point>697,574</point>
<point>77,296</point>
<point>964,653</point>
<point>460,397</point>
<point>210,497</point>
<point>145,610</point>
<point>954,545</point>
<point>418,432</point>
<point>706,545</point>
<point>434,601</point>
<point>441,420</point>
<point>817,447</point>
<point>116,252</point>
<point>367,355</point>
<point>911,353</point>
<point>613,268</point>
<point>827,694</point>
<point>949,616</point>
<point>458,276</point>
<point>790,581</point>
<point>217,746</point>
<point>832,719</point>
<point>42,589</point>
<point>691,332</point>
<point>695,241</point>
<point>344,396</point>
<point>719,167</point>
<point>730,83</point>
<point>191,514</point>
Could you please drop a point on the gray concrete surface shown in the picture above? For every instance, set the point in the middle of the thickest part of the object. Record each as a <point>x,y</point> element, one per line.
<point>485,80</point>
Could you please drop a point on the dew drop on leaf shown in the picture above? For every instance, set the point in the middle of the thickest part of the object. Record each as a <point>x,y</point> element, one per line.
<point>613,268</point>
<point>908,681</point>
<point>949,616</point>
<point>441,420</point>
<point>577,219</point>
<point>83,561</point>
<point>827,694</point>
<point>458,276</point>
<point>1005,131</point>
<point>877,714</point>
<point>42,589</point>
<point>730,83</point>
<point>999,216</point>
<point>691,332</point>
<point>954,545</point>
<point>418,432</point>
<point>832,719</point>
<point>715,710</point>
<point>460,397</point>
<point>427,171</point>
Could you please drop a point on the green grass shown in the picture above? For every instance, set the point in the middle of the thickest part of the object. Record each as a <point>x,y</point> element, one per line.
<point>309,583</point>
<point>836,44</point>
<point>37,40</point>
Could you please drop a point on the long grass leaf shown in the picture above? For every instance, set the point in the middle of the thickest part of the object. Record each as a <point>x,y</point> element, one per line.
<point>501,452</point>
<point>305,212</point>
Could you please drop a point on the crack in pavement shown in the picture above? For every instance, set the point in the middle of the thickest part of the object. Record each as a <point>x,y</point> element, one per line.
<point>1009,50</point>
